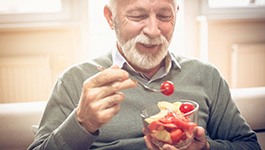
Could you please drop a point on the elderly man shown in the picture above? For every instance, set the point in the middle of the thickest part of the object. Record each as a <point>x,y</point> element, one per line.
<point>97,104</point>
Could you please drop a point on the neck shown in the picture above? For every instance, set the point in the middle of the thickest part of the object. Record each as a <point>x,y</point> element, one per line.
<point>149,72</point>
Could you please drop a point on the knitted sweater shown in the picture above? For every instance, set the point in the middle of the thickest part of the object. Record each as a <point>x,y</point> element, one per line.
<point>196,80</point>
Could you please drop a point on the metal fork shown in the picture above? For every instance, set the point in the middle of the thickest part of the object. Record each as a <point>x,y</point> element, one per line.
<point>148,88</point>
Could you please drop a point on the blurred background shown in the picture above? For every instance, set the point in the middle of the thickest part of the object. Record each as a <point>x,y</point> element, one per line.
<point>41,38</point>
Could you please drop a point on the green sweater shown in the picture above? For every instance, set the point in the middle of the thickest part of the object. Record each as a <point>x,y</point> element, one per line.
<point>196,80</point>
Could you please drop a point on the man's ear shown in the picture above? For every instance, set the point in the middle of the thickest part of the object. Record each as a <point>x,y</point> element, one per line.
<point>108,16</point>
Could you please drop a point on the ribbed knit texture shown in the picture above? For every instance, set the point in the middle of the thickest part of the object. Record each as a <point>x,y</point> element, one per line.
<point>196,80</point>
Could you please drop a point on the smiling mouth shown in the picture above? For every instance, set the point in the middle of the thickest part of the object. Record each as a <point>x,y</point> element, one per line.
<point>149,45</point>
<point>148,48</point>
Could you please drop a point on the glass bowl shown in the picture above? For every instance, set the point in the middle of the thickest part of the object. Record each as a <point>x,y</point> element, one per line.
<point>171,123</point>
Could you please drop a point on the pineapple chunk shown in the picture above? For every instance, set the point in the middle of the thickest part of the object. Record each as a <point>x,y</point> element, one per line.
<point>163,136</point>
<point>163,105</point>
<point>156,117</point>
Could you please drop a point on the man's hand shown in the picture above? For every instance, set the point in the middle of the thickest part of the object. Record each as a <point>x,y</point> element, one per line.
<point>100,99</point>
<point>199,142</point>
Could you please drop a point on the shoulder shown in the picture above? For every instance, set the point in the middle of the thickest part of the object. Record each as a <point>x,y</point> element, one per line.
<point>197,66</point>
<point>195,63</point>
<point>183,60</point>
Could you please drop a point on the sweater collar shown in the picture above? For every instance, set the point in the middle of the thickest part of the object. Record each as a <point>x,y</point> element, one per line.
<point>171,63</point>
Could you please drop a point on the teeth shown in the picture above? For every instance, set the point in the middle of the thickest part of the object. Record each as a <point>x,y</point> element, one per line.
<point>148,45</point>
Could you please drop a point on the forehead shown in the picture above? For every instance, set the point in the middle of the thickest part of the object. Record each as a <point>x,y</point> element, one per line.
<point>145,4</point>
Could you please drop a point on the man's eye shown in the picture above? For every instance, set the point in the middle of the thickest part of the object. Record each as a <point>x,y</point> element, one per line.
<point>164,17</point>
<point>137,18</point>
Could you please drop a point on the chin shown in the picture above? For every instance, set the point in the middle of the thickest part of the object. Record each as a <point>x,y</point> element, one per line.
<point>146,64</point>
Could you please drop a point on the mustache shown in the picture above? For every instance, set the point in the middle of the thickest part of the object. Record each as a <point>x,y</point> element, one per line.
<point>143,39</point>
<point>145,60</point>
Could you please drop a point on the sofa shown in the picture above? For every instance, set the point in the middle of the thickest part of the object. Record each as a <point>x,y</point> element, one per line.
<point>251,103</point>
<point>19,120</point>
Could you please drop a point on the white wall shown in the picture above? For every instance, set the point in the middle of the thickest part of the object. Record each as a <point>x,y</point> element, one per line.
<point>86,35</point>
<point>64,40</point>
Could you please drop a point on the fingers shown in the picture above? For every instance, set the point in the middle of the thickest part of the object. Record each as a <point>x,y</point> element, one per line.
<point>107,76</point>
<point>151,146</point>
<point>115,87</point>
<point>199,142</point>
<point>100,98</point>
<point>168,147</point>
<point>199,134</point>
<point>108,101</point>
<point>200,138</point>
<point>149,143</point>
<point>107,82</point>
<point>93,114</point>
<point>105,115</point>
<point>110,112</point>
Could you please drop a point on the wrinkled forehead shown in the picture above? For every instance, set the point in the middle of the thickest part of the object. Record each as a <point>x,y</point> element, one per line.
<point>115,3</point>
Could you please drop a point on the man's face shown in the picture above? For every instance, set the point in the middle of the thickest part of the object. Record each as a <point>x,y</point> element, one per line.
<point>144,30</point>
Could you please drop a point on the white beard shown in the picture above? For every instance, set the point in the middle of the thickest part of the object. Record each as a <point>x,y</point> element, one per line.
<point>148,60</point>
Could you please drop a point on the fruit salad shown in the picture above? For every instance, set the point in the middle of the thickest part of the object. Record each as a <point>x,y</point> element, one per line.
<point>174,124</point>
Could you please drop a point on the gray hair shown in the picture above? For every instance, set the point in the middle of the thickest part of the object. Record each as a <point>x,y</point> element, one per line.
<point>113,5</point>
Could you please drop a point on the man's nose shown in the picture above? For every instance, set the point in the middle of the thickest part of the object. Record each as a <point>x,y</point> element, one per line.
<point>151,28</point>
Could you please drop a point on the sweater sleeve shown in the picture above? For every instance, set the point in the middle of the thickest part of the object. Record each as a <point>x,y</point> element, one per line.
<point>226,128</point>
<point>59,128</point>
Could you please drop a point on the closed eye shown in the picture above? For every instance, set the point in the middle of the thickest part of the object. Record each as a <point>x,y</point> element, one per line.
<point>164,18</point>
<point>137,18</point>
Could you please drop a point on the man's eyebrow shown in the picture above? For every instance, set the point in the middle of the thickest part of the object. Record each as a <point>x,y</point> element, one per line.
<point>143,10</point>
<point>137,9</point>
<point>166,8</point>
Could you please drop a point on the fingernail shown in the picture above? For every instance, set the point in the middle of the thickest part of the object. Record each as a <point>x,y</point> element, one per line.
<point>100,68</point>
<point>134,81</point>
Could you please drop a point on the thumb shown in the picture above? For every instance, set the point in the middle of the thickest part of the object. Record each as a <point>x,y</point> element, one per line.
<point>200,138</point>
<point>200,134</point>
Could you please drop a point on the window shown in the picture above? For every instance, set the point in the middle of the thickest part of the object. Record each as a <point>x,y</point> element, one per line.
<point>236,3</point>
<point>233,9</point>
<point>27,12</point>
<point>29,6</point>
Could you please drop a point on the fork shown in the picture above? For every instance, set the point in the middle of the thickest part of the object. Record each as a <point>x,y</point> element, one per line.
<point>148,88</point>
